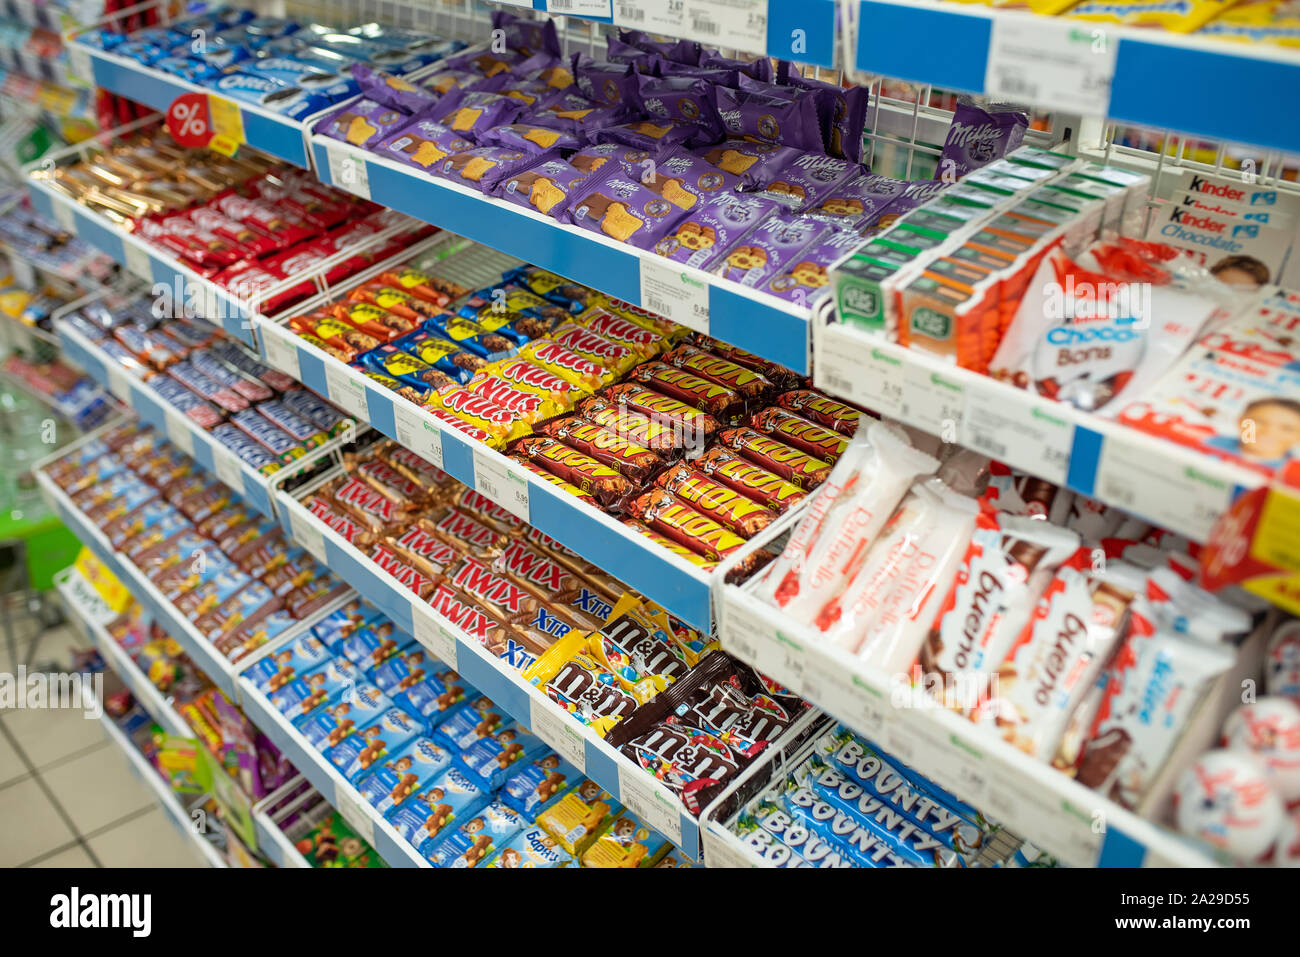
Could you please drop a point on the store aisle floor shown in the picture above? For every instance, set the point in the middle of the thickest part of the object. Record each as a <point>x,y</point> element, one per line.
<point>68,797</point>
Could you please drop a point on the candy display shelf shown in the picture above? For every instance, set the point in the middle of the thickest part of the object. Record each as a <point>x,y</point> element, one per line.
<point>754,321</point>
<point>276,843</point>
<point>192,439</point>
<point>1155,77</point>
<point>664,578</point>
<point>1035,801</point>
<point>167,799</point>
<point>627,782</point>
<point>1174,487</point>
<point>225,675</point>
<point>91,615</point>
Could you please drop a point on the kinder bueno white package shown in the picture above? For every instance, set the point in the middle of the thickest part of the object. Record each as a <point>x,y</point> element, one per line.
<point>1060,652</point>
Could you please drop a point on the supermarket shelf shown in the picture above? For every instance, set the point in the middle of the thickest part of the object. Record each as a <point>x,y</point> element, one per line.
<point>757,322</point>
<point>1171,486</point>
<point>89,610</point>
<point>192,439</point>
<point>655,572</point>
<point>326,779</point>
<point>272,841</point>
<point>1032,799</point>
<point>579,745</point>
<point>1162,79</point>
<point>262,129</point>
<point>167,799</point>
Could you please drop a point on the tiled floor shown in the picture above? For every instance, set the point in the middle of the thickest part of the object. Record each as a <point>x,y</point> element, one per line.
<point>68,797</point>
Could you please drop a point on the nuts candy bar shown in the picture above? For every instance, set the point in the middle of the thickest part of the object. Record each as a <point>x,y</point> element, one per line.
<point>480,412</point>
<point>644,341</point>
<point>524,374</point>
<point>576,468</point>
<point>741,514</point>
<point>786,461</point>
<point>567,364</point>
<point>627,458</point>
<point>585,342</point>
<point>531,405</point>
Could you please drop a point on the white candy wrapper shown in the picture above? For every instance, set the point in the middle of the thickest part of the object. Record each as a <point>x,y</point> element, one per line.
<point>1226,800</point>
<point>1009,562</point>
<point>1270,729</point>
<point>1282,670</point>
<point>1153,685</point>
<point>815,569</point>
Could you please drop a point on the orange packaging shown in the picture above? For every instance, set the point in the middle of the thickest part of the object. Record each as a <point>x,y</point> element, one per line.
<point>947,318</point>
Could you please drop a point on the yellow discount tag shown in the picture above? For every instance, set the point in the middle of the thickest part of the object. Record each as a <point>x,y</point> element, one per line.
<point>1277,537</point>
<point>223,144</point>
<point>227,121</point>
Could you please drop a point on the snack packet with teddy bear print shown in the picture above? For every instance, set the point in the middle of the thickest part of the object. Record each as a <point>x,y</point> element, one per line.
<point>706,232</point>
<point>763,252</point>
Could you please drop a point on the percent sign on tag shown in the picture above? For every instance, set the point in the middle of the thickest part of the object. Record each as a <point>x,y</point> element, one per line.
<point>188,120</point>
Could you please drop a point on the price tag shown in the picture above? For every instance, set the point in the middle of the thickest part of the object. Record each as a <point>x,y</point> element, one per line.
<point>750,635</point>
<point>281,348</point>
<point>738,24</point>
<point>347,393</point>
<point>137,261</point>
<point>308,536</point>
<point>118,383</point>
<point>178,431</point>
<point>63,215</point>
<point>674,293</point>
<point>650,801</point>
<point>433,635</point>
<point>656,16</point>
<point>1051,63</point>
<point>719,852</point>
<point>356,812</point>
<point>1032,436</point>
<point>24,272</point>
<point>226,465</point>
<point>499,482</point>
<point>579,8</point>
<point>933,401</point>
<point>865,372</point>
<point>80,63</point>
<point>348,172</point>
<point>558,730</point>
<point>417,432</point>
<point>971,772</point>
<point>1160,488</point>
<point>835,687</point>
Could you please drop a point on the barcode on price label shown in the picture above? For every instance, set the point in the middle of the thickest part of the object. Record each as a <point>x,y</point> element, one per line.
<point>675,294</point>
<point>658,16</point>
<point>499,482</point>
<point>649,800</point>
<point>706,27</point>
<point>417,432</point>
<point>281,349</point>
<point>557,729</point>
<point>628,13</point>
<point>433,635</point>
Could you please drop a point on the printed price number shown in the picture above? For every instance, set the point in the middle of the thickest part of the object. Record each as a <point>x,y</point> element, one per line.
<point>433,635</point>
<point>1172,494</point>
<point>675,294</point>
<point>308,536</point>
<point>649,801</point>
<point>1051,63</point>
<point>932,401</point>
<point>281,349</point>
<point>227,467</point>
<point>499,482</point>
<point>1031,436</point>
<point>417,433</point>
<point>347,393</point>
<point>355,812</point>
<point>348,172</point>
<point>557,729</point>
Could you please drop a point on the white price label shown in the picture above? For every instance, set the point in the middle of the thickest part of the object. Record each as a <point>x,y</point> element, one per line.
<point>178,431</point>
<point>650,801</point>
<point>972,774</point>
<point>657,16</point>
<point>1170,493</point>
<point>348,172</point>
<point>416,431</point>
<point>675,293</point>
<point>226,465</point>
<point>308,536</point>
<point>1051,63</point>
<point>63,215</point>
<point>933,401</point>
<point>347,393</point>
<point>356,812</point>
<point>1029,435</point>
<point>558,730</point>
<point>863,371</point>
<point>579,8</point>
<point>494,477</point>
<point>24,272</point>
<point>835,687</point>
<point>722,853</point>
<point>751,636</point>
<point>737,24</point>
<point>118,382</point>
<point>137,261</point>
<point>80,63</point>
<point>281,348</point>
<point>433,635</point>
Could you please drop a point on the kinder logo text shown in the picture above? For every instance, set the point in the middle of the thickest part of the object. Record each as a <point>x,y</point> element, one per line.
<point>39,690</point>
<point>1192,221</point>
<point>77,910</point>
